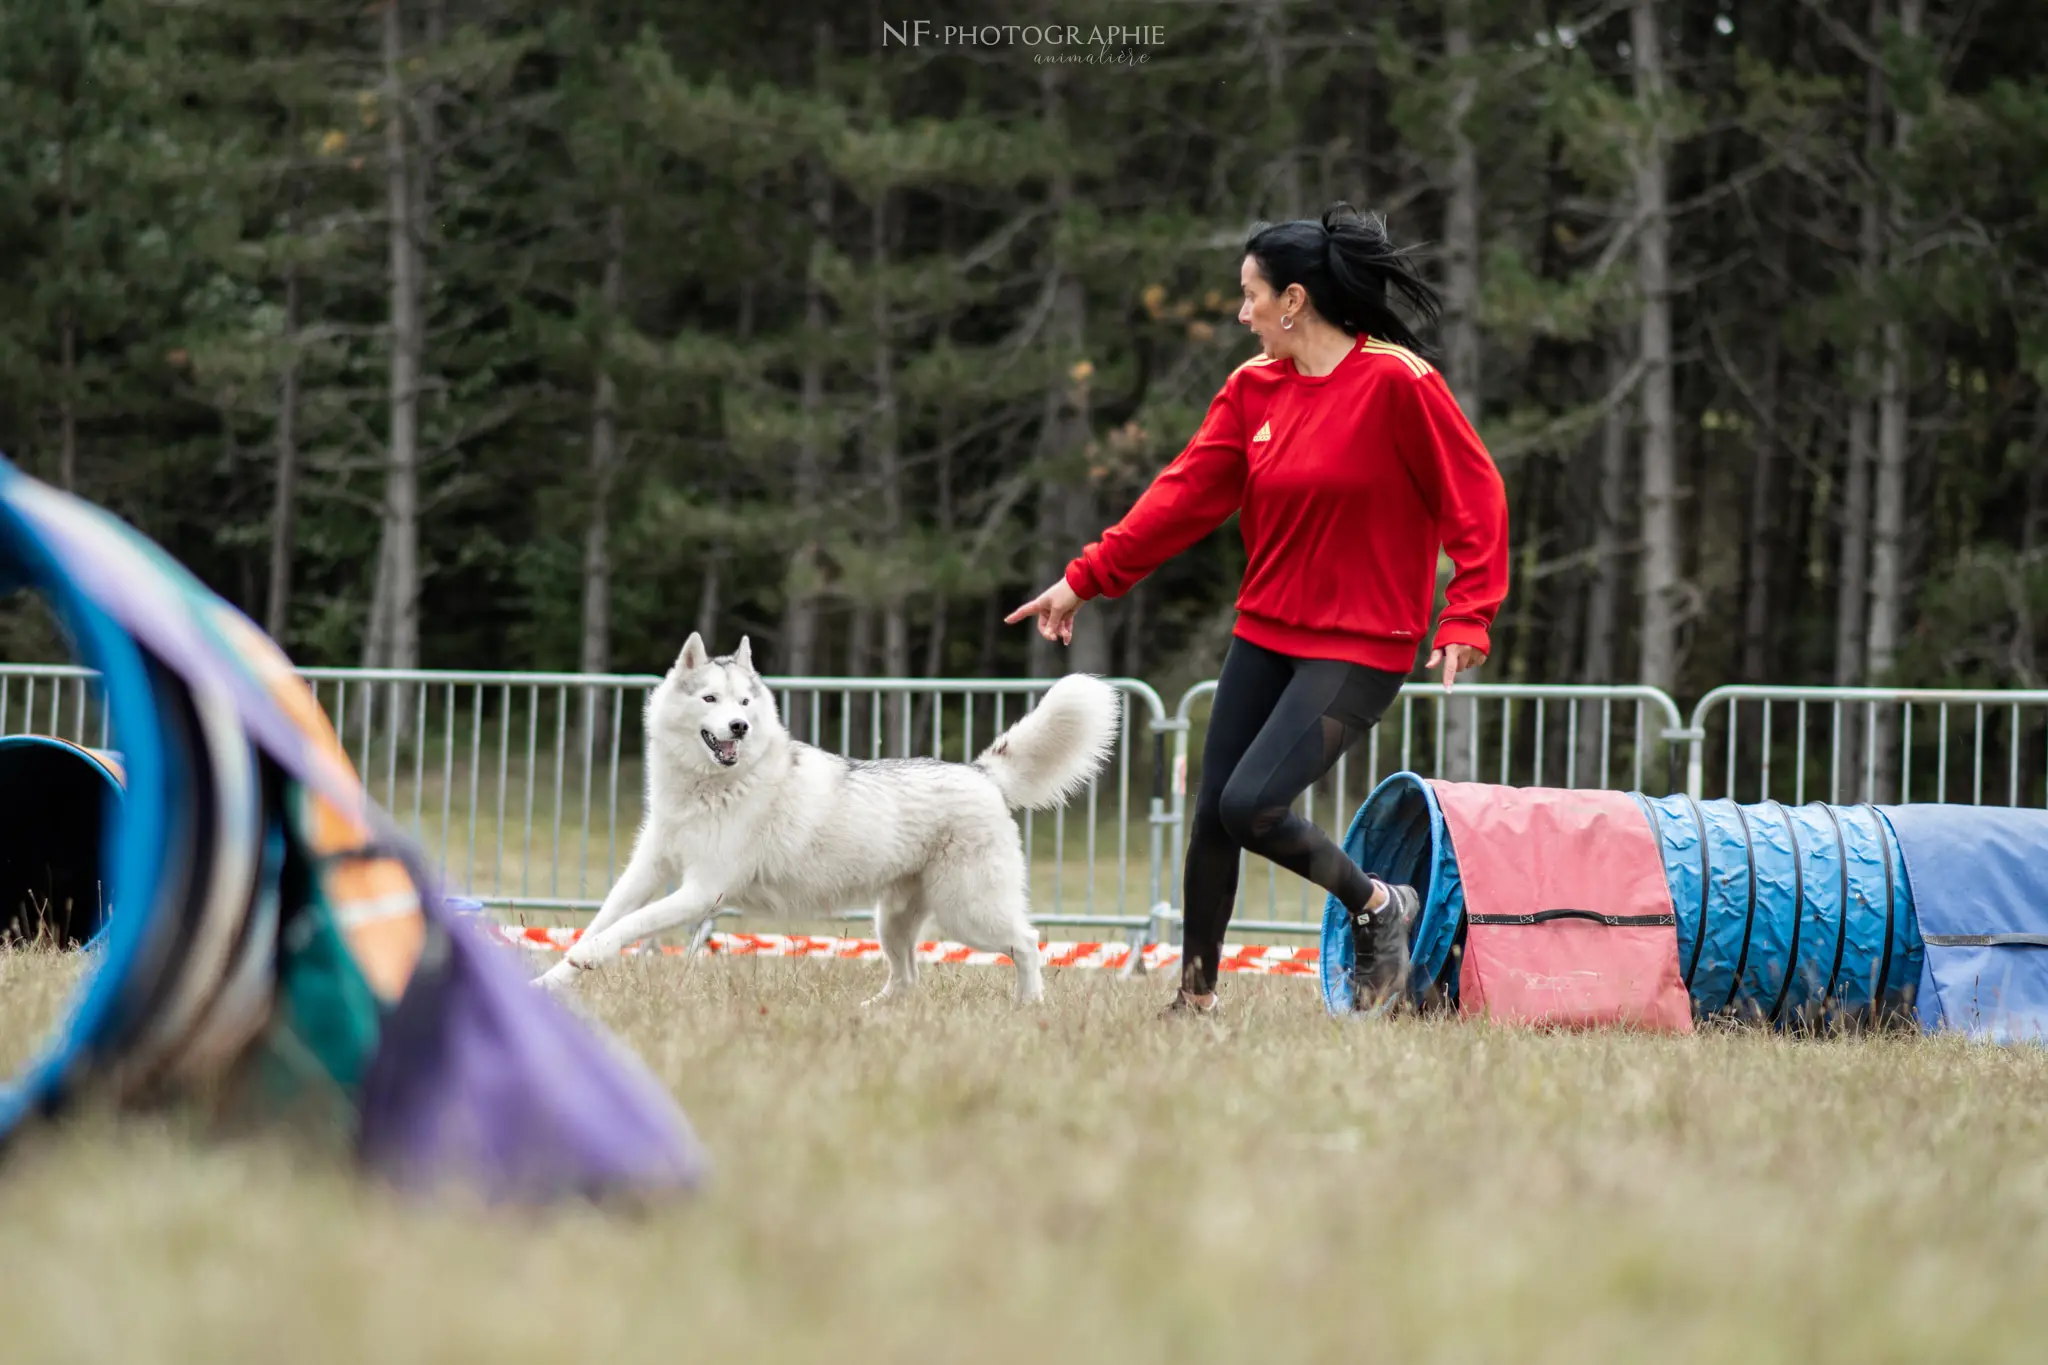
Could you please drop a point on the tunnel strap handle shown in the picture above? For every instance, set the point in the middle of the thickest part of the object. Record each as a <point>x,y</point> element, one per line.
<point>1985,940</point>
<point>1546,916</point>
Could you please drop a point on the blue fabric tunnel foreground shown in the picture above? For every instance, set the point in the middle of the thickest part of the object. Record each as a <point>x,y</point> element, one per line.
<point>1790,916</point>
<point>253,924</point>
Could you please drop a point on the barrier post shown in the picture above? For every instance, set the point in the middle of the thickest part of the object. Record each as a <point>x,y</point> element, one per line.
<point>1686,777</point>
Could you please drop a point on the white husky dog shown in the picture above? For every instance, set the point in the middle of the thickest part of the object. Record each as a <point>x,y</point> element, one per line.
<point>743,815</point>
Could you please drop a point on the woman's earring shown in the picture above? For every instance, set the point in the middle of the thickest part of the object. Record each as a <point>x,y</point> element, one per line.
<point>1287,322</point>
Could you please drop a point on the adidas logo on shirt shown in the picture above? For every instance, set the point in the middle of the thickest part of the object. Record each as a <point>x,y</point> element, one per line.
<point>1265,433</point>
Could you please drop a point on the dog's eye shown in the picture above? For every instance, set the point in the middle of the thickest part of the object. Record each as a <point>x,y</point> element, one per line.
<point>710,698</point>
<point>745,700</point>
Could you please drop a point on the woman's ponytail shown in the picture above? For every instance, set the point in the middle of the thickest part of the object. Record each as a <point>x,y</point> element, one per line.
<point>1347,266</point>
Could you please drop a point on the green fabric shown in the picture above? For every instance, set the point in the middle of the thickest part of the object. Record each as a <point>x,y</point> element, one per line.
<point>322,996</point>
<point>327,1022</point>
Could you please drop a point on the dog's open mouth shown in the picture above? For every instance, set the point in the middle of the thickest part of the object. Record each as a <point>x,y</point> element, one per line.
<point>726,751</point>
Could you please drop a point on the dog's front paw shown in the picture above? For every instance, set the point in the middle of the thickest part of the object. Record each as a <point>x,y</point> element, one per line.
<point>556,979</point>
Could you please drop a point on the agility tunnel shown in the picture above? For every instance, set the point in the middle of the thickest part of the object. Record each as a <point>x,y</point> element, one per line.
<point>257,931</point>
<point>57,800</point>
<point>1583,907</point>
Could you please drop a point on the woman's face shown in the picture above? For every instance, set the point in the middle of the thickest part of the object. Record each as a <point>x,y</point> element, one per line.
<point>1262,309</point>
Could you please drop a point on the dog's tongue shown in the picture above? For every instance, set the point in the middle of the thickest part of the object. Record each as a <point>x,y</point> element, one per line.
<point>725,748</point>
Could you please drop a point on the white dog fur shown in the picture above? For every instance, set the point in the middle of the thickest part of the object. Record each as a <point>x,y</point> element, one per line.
<point>741,814</point>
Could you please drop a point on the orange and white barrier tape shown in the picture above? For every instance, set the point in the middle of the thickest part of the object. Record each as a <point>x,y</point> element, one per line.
<point>1258,958</point>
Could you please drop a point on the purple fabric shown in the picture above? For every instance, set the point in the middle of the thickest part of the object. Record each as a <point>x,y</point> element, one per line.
<point>156,600</point>
<point>484,1080</point>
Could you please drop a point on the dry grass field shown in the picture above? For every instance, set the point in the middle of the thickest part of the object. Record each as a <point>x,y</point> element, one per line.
<point>955,1181</point>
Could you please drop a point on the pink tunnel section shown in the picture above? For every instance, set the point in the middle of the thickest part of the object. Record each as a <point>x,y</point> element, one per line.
<point>1568,916</point>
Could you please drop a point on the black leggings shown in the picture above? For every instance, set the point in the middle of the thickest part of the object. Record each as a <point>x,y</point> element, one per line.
<point>1277,724</point>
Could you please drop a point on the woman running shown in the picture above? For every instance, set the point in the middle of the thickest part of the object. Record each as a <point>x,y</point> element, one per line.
<point>1349,464</point>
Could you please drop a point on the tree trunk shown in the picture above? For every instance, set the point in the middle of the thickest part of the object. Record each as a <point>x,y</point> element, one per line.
<point>1067,516</point>
<point>1888,524</point>
<point>711,564</point>
<point>1461,322</point>
<point>1564,645</point>
<point>934,666</point>
<point>1603,596</point>
<point>396,643</point>
<point>1134,632</point>
<point>886,467</point>
<point>1461,218</point>
<point>860,648</point>
<point>1066,509</point>
<point>1272,30</point>
<point>994,607</point>
<point>1888,529</point>
<point>935,645</point>
<point>711,585</point>
<point>1853,582</point>
<point>2025,652</point>
<point>860,640</point>
<point>1852,620</point>
<point>935,642</point>
<point>67,323</point>
<point>1519,656</point>
<point>1764,526</point>
<point>595,652</point>
<point>2036,497</point>
<point>1658,653</point>
<point>935,639</point>
<point>284,504</point>
<point>1362,100</point>
<point>1791,649</point>
<point>800,611</point>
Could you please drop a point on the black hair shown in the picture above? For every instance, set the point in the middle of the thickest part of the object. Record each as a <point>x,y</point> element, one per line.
<point>1347,264</point>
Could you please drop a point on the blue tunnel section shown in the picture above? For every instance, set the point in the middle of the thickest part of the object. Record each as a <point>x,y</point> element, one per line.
<point>1399,836</point>
<point>1789,914</point>
<point>1786,915</point>
<point>1981,878</point>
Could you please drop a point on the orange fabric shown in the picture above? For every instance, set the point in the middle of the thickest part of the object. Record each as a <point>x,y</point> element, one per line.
<point>375,904</point>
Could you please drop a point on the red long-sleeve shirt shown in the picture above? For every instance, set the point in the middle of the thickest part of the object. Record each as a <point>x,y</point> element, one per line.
<point>1346,485</point>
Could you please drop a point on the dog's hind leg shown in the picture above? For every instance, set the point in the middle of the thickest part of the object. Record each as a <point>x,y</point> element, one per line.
<point>1024,952</point>
<point>903,914</point>
<point>981,902</point>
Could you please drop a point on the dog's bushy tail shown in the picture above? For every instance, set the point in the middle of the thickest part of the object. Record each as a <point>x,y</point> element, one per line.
<point>1059,744</point>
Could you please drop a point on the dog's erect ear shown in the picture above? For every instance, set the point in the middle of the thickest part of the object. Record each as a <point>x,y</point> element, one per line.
<point>694,655</point>
<point>744,655</point>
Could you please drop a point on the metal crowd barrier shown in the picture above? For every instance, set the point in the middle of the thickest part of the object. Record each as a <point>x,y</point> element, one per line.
<point>1508,733</point>
<point>1850,744</point>
<point>527,786</point>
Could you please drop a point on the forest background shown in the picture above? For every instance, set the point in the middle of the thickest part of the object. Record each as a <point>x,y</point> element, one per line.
<point>498,334</point>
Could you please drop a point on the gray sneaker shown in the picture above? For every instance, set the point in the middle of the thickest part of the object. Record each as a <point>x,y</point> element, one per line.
<point>1186,1003</point>
<point>1379,946</point>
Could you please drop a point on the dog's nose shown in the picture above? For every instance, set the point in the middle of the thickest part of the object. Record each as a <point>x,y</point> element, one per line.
<point>739,729</point>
